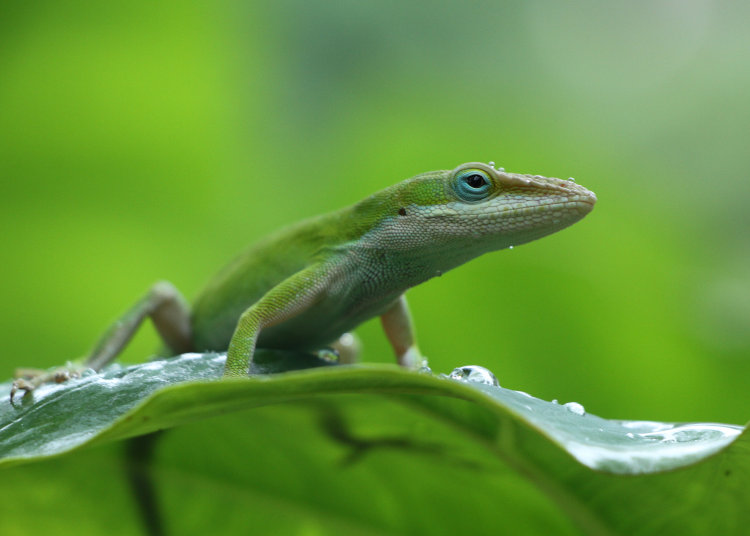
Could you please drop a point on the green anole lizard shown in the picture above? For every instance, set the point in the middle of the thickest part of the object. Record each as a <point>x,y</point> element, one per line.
<point>305,286</point>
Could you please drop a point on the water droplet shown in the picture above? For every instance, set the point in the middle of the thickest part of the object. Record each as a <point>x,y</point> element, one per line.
<point>554,401</point>
<point>424,369</point>
<point>501,169</point>
<point>683,433</point>
<point>474,374</point>
<point>511,247</point>
<point>492,164</point>
<point>575,407</point>
<point>571,179</point>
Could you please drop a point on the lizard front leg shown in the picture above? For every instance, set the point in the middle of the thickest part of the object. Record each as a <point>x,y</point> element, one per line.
<point>286,300</point>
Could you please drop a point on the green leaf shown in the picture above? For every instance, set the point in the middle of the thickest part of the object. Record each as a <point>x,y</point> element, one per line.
<point>380,450</point>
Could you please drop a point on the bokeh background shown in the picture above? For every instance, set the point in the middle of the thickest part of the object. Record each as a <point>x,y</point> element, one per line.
<point>142,140</point>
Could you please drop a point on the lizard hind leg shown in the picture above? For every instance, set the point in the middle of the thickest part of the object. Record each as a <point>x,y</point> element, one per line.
<point>347,348</point>
<point>398,327</point>
<point>162,303</point>
<point>168,311</point>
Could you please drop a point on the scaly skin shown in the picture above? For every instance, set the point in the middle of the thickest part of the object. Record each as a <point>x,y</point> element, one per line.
<point>304,286</point>
<point>310,283</point>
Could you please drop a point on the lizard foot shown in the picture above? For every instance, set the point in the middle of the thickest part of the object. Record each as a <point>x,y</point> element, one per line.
<point>29,379</point>
<point>347,348</point>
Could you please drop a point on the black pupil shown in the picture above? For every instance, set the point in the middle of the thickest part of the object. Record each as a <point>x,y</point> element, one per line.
<point>475,181</point>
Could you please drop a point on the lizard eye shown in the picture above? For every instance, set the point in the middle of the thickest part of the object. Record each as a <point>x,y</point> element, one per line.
<point>472,185</point>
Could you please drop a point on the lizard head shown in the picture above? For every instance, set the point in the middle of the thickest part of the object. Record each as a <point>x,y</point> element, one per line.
<point>476,208</point>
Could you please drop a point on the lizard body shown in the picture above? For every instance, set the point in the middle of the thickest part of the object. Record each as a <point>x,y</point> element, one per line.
<point>304,286</point>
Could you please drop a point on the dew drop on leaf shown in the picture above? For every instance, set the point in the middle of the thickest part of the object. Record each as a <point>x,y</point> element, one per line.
<point>474,374</point>
<point>575,407</point>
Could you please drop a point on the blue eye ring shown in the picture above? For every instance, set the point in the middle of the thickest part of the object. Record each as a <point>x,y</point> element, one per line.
<point>472,185</point>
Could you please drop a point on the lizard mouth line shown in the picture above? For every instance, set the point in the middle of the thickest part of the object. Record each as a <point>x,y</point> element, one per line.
<point>580,202</point>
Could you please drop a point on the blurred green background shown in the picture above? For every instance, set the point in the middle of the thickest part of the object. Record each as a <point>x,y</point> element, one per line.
<point>142,140</point>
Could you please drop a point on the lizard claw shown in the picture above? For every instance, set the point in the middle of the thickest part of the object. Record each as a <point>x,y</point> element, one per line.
<point>20,384</point>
